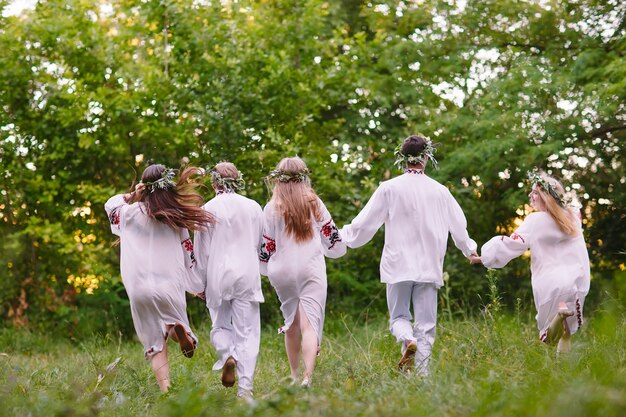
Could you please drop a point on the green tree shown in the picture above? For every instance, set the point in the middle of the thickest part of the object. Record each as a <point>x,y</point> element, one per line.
<point>92,91</point>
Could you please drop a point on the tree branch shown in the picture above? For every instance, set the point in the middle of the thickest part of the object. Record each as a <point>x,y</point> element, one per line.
<point>607,129</point>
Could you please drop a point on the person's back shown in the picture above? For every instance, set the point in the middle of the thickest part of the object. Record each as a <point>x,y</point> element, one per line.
<point>291,258</point>
<point>298,232</point>
<point>551,248</point>
<point>418,222</point>
<point>157,258</point>
<point>228,269</point>
<point>150,244</point>
<point>233,266</point>
<point>418,214</point>
<point>560,272</point>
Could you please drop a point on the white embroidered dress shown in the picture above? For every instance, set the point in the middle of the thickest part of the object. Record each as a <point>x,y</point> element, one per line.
<point>297,271</point>
<point>418,214</point>
<point>155,263</point>
<point>559,266</point>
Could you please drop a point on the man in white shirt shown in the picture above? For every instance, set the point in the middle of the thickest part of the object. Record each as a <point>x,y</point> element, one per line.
<point>418,214</point>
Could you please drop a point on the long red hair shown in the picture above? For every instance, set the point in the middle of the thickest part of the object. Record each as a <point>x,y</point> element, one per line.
<point>178,206</point>
<point>296,201</point>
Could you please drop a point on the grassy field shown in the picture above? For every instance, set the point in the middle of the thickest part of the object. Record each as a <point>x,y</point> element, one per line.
<point>483,366</point>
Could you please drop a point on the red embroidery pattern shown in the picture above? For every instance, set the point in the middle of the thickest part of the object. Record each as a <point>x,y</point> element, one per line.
<point>579,313</point>
<point>268,247</point>
<point>188,244</point>
<point>148,353</point>
<point>114,218</point>
<point>515,236</point>
<point>413,171</point>
<point>330,231</point>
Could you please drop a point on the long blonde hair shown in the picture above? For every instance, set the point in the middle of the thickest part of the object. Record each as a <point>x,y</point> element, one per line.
<point>294,198</point>
<point>562,215</point>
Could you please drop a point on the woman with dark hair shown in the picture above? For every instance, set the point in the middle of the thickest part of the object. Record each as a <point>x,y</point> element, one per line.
<point>560,272</point>
<point>157,257</point>
<point>298,231</point>
<point>228,266</point>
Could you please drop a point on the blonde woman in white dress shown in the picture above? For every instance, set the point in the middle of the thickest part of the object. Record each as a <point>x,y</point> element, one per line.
<point>228,266</point>
<point>298,232</point>
<point>157,257</point>
<point>560,272</point>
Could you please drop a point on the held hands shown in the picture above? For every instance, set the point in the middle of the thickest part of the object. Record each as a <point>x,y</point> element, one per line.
<point>475,259</point>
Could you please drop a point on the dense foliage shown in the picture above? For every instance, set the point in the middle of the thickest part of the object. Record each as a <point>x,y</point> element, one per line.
<point>93,90</point>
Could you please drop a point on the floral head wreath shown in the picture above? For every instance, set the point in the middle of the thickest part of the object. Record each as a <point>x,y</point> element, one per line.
<point>231,184</point>
<point>283,176</point>
<point>164,183</point>
<point>428,153</point>
<point>535,178</point>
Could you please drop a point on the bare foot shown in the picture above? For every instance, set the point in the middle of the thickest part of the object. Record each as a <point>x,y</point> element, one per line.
<point>228,372</point>
<point>187,346</point>
<point>565,344</point>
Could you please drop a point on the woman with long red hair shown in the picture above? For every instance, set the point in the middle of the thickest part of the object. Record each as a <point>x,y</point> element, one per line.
<point>153,224</point>
<point>298,232</point>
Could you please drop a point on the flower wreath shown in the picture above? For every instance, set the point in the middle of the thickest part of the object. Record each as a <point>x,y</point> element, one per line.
<point>535,178</point>
<point>428,153</point>
<point>283,176</point>
<point>227,183</point>
<point>164,183</point>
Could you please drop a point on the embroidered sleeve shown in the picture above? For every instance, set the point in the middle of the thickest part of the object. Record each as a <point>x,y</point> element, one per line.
<point>330,234</point>
<point>201,248</point>
<point>190,258</point>
<point>268,248</point>
<point>267,242</point>
<point>195,283</point>
<point>500,250</point>
<point>114,208</point>
<point>332,242</point>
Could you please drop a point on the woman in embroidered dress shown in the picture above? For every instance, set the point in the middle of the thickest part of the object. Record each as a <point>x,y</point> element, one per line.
<point>156,258</point>
<point>298,231</point>
<point>228,266</point>
<point>560,273</point>
<point>419,214</point>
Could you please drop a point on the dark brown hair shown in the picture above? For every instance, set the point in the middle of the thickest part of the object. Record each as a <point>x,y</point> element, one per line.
<point>178,206</point>
<point>413,145</point>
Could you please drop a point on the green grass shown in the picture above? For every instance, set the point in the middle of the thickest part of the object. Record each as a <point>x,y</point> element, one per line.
<point>490,366</point>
